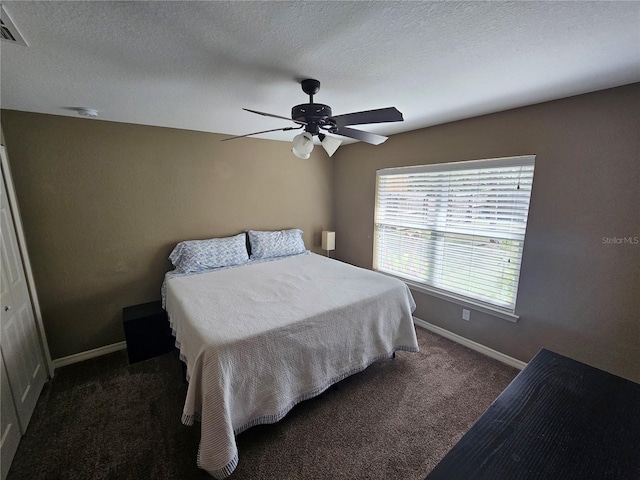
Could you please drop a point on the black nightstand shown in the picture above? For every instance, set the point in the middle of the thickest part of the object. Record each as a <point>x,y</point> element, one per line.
<point>147,331</point>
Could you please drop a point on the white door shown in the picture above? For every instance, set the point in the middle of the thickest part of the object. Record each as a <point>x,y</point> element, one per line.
<point>19,340</point>
<point>10,430</point>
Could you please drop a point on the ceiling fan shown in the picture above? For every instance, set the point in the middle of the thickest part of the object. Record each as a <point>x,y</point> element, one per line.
<point>317,118</point>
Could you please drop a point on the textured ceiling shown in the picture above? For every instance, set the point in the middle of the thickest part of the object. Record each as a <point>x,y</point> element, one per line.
<point>194,65</point>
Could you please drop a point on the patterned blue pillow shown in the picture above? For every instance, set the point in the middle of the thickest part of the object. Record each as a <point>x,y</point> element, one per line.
<point>194,256</point>
<point>276,244</point>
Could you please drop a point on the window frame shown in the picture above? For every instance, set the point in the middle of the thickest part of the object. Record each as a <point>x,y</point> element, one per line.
<point>501,311</point>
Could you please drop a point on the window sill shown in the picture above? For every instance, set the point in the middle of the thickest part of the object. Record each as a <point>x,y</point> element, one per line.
<point>463,301</point>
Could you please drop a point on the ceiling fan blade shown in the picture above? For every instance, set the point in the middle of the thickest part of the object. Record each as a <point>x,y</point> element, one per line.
<point>367,137</point>
<point>275,116</point>
<point>263,131</point>
<point>381,115</point>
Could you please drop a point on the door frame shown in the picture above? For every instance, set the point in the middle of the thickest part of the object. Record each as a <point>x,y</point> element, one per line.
<point>22,245</point>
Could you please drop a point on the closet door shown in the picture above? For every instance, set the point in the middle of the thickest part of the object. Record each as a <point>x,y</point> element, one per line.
<point>10,430</point>
<point>19,340</point>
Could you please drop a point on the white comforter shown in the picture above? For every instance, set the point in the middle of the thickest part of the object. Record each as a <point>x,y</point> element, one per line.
<point>260,338</point>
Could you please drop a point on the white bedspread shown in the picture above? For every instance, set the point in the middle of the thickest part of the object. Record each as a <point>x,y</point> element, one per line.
<point>260,338</point>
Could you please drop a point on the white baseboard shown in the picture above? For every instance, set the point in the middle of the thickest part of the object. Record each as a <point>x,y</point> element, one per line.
<point>96,352</point>
<point>489,352</point>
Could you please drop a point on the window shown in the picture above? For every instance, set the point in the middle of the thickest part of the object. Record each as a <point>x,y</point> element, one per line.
<point>456,228</point>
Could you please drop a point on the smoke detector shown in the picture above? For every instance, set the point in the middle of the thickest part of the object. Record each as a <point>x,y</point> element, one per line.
<point>87,112</point>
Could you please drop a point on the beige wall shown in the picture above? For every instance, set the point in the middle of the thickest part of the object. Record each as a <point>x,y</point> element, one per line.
<point>577,296</point>
<point>104,203</point>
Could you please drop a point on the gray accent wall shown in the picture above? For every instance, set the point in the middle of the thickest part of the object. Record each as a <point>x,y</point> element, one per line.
<point>579,291</point>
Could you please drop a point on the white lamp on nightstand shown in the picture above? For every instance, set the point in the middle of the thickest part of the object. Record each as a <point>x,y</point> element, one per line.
<point>328,241</point>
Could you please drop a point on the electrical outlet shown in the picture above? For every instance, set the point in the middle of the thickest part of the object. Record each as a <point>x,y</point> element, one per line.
<point>466,315</point>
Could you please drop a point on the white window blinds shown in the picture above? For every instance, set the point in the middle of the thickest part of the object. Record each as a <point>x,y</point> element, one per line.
<point>456,227</point>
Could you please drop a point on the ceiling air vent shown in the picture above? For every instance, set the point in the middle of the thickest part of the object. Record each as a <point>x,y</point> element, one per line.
<point>9,31</point>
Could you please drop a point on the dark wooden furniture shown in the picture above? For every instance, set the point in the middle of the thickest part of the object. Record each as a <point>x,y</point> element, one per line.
<point>558,419</point>
<point>147,331</point>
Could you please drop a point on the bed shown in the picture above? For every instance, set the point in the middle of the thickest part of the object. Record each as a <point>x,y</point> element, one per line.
<point>261,336</point>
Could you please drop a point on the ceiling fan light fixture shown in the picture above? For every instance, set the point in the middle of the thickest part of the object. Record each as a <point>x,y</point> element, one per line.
<point>302,145</point>
<point>330,144</point>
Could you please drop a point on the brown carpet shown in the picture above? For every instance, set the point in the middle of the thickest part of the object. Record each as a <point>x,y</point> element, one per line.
<point>103,419</point>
